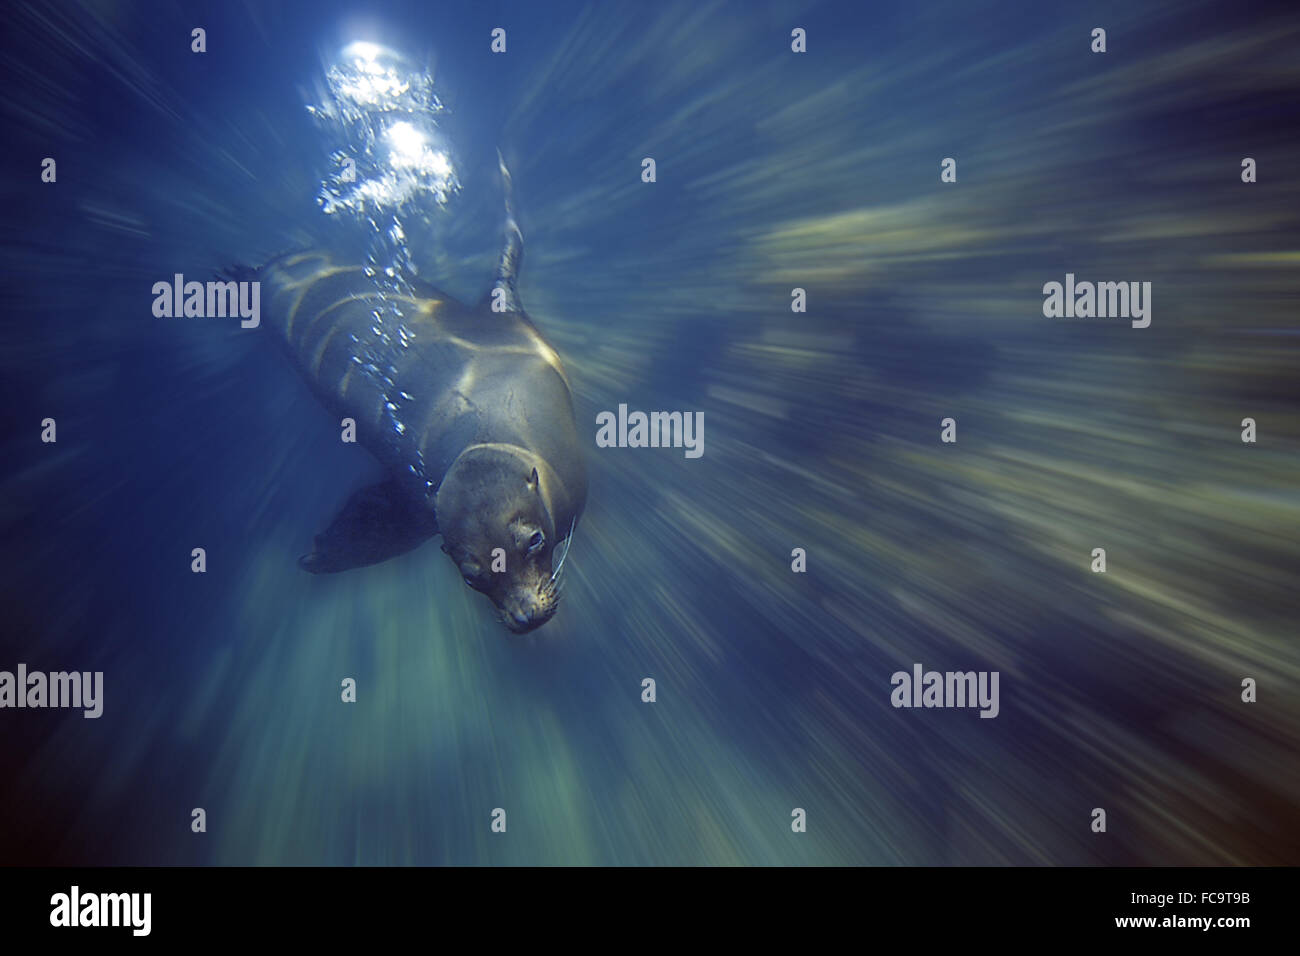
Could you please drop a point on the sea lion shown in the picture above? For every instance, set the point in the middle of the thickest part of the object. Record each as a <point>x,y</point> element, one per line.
<point>468,409</point>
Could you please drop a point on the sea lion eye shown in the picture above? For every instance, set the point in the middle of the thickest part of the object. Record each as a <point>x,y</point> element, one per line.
<point>536,541</point>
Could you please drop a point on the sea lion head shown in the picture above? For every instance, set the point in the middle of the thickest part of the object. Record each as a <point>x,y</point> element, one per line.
<point>492,498</point>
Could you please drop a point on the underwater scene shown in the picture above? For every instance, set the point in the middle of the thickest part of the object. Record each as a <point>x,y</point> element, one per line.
<point>689,433</point>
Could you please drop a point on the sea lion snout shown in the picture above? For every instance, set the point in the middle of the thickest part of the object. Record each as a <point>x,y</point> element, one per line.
<point>525,598</point>
<point>527,608</point>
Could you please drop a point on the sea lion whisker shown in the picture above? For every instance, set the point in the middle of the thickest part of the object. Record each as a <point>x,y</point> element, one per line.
<point>568,545</point>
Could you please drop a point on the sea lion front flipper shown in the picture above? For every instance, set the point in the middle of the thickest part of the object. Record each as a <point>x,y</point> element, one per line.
<point>377,523</point>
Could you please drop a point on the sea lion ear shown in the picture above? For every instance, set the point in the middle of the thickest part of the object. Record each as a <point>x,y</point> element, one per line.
<point>532,480</point>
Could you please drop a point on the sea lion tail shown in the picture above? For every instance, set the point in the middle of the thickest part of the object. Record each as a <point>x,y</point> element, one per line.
<point>239,272</point>
<point>243,272</point>
<point>512,252</point>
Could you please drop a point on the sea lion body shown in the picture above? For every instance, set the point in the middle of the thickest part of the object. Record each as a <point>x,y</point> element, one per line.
<point>467,408</point>
<point>428,382</point>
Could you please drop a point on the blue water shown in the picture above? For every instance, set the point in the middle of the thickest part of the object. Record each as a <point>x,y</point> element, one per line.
<point>775,170</point>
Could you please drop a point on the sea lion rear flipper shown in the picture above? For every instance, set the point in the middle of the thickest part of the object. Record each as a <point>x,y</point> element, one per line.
<point>377,523</point>
<point>504,289</point>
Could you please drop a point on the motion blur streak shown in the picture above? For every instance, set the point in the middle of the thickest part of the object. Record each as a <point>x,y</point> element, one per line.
<point>1119,690</point>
